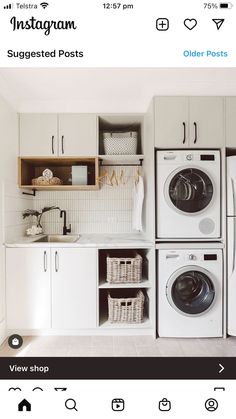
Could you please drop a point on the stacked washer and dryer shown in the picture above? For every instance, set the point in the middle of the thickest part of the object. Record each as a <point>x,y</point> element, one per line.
<point>190,265</point>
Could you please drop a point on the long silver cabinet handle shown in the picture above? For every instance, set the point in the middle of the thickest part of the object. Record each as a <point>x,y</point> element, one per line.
<point>45,261</point>
<point>56,262</point>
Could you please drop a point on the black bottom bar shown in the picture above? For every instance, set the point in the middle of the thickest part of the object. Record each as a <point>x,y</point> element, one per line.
<point>118,368</point>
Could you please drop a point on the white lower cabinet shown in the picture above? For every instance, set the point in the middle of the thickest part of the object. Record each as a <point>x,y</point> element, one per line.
<point>54,287</point>
<point>28,288</point>
<point>74,296</point>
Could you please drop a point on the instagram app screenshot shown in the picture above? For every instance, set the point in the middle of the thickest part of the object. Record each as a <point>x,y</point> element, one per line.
<point>117,209</point>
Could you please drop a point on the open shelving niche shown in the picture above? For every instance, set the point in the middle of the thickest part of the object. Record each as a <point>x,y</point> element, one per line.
<point>121,122</point>
<point>32,167</point>
<point>124,290</point>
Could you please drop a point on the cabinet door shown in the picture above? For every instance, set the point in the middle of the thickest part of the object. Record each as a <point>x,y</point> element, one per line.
<point>28,288</point>
<point>77,135</point>
<point>206,122</point>
<point>171,122</point>
<point>38,135</point>
<point>74,284</point>
<point>231,122</point>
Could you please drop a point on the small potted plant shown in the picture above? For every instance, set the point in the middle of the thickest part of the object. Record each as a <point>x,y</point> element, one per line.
<point>36,229</point>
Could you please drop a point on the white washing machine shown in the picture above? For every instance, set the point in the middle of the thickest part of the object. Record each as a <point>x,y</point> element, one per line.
<point>188,194</point>
<point>190,283</point>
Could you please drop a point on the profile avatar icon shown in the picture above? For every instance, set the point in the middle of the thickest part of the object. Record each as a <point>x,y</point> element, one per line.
<point>211,405</point>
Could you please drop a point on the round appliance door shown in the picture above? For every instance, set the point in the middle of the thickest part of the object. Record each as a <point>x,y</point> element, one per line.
<point>189,190</point>
<point>191,290</point>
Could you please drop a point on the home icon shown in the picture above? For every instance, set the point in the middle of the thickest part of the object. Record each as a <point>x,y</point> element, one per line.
<point>24,405</point>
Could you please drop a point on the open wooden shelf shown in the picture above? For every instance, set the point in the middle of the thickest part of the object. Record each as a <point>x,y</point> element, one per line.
<point>32,167</point>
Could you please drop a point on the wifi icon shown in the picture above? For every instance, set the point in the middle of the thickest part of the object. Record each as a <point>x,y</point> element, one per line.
<point>44,5</point>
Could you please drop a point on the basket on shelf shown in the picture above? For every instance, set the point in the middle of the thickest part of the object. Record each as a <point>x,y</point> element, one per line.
<point>123,270</point>
<point>43,181</point>
<point>126,310</point>
<point>120,143</point>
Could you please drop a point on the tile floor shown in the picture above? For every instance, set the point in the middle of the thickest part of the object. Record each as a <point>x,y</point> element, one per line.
<point>108,346</point>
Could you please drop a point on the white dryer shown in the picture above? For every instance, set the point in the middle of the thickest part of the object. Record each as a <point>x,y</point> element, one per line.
<point>188,194</point>
<point>190,296</point>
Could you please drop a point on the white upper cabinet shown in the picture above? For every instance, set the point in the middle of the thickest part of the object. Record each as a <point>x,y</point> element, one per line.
<point>171,122</point>
<point>52,135</point>
<point>28,288</point>
<point>77,135</point>
<point>231,122</point>
<point>195,122</point>
<point>74,276</point>
<point>206,122</point>
<point>38,135</point>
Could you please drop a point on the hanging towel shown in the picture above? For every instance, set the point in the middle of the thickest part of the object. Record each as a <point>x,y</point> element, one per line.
<point>138,196</point>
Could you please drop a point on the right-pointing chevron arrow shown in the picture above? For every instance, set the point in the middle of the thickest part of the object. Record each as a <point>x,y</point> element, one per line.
<point>221,368</point>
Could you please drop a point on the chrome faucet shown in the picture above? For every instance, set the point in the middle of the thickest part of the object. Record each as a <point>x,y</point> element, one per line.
<point>65,228</point>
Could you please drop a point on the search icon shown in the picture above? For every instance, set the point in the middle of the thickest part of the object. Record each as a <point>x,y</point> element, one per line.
<point>71,404</point>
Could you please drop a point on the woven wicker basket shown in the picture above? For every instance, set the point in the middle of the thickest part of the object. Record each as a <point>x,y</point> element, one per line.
<point>43,181</point>
<point>124,269</point>
<point>126,310</point>
<point>120,143</point>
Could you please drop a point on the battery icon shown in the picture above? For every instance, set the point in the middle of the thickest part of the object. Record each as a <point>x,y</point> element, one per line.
<point>226,5</point>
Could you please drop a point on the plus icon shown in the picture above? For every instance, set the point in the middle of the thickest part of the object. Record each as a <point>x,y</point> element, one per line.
<point>162,24</point>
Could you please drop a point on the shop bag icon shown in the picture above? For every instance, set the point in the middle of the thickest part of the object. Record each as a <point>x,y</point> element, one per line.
<point>164,405</point>
<point>15,341</point>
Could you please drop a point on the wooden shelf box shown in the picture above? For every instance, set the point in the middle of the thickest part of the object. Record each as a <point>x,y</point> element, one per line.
<point>32,167</point>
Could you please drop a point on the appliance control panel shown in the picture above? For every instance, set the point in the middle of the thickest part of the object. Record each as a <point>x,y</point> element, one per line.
<point>181,156</point>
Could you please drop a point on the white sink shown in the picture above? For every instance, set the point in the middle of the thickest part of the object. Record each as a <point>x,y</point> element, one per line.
<point>58,238</point>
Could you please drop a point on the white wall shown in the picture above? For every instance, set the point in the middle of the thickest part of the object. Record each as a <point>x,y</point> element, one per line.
<point>8,173</point>
<point>108,90</point>
<point>14,204</point>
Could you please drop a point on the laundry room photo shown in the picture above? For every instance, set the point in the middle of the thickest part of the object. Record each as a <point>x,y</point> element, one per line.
<point>118,212</point>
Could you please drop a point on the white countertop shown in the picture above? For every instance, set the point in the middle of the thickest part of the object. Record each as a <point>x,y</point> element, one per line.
<point>88,240</point>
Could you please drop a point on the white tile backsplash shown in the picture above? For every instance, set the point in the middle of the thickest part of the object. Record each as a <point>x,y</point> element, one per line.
<point>108,210</point>
<point>14,203</point>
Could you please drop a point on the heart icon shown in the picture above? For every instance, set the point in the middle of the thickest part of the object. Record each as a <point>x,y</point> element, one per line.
<point>190,23</point>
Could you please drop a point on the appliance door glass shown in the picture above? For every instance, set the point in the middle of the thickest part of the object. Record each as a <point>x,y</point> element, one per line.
<point>190,190</point>
<point>192,292</point>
